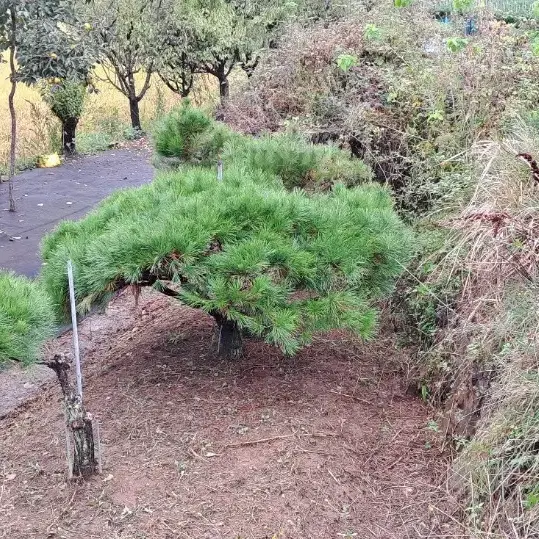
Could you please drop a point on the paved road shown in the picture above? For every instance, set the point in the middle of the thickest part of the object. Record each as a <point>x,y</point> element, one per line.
<point>46,196</point>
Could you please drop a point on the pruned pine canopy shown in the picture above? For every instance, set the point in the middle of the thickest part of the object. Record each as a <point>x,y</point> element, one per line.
<point>281,264</point>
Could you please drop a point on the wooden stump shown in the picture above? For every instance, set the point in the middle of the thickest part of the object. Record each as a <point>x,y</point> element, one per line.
<point>79,422</point>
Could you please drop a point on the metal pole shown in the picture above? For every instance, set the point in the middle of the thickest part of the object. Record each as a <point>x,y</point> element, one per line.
<point>75,328</point>
<point>99,457</point>
<point>220,170</point>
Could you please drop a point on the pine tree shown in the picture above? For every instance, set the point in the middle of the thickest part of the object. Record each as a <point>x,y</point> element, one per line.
<point>260,259</point>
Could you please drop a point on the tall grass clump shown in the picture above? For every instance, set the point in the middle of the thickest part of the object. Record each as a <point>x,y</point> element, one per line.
<point>26,318</point>
<point>481,360</point>
<point>498,469</point>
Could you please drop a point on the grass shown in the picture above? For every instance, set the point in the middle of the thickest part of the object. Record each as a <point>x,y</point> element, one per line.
<point>486,358</point>
<point>499,467</point>
<point>26,318</point>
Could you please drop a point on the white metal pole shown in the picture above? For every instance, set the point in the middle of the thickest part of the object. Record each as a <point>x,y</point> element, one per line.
<point>220,170</point>
<point>75,328</point>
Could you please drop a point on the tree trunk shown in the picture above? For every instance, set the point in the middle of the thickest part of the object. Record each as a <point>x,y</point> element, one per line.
<point>11,100</point>
<point>222,76</point>
<point>134,111</point>
<point>229,342</point>
<point>224,89</point>
<point>69,127</point>
<point>79,422</point>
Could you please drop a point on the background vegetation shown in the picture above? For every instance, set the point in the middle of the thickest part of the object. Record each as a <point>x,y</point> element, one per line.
<point>105,119</point>
<point>441,108</point>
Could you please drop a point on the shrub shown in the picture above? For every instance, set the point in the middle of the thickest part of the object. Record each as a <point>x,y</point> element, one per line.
<point>66,99</point>
<point>26,318</point>
<point>280,265</point>
<point>296,162</point>
<point>188,135</point>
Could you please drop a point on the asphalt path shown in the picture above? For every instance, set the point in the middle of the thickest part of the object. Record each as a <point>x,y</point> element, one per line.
<point>44,197</point>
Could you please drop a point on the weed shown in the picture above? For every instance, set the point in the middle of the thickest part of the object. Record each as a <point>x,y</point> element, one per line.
<point>90,143</point>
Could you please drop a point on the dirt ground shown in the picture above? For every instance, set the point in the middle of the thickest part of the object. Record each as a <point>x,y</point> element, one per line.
<point>324,445</point>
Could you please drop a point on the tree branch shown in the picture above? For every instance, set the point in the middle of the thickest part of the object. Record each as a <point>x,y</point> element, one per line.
<point>147,82</point>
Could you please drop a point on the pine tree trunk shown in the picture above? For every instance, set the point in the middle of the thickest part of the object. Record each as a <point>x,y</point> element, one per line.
<point>79,422</point>
<point>229,341</point>
<point>69,128</point>
<point>12,112</point>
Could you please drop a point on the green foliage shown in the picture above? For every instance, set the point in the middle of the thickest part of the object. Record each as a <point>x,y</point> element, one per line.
<point>425,299</point>
<point>90,143</point>
<point>456,44</point>
<point>463,6</point>
<point>65,99</point>
<point>345,62</point>
<point>26,318</point>
<point>188,135</point>
<point>215,36</point>
<point>372,32</point>
<point>532,498</point>
<point>125,36</point>
<point>296,162</point>
<point>50,40</point>
<point>402,3</point>
<point>534,45</point>
<point>283,265</point>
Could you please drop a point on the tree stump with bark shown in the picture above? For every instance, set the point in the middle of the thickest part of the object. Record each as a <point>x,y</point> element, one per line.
<point>79,421</point>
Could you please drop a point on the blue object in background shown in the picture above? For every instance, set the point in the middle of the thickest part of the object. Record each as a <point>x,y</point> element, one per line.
<point>471,27</point>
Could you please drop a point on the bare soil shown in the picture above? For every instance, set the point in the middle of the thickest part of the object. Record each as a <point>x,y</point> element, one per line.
<point>324,445</point>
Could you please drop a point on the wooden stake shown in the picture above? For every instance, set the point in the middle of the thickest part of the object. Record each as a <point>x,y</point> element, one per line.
<point>68,450</point>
